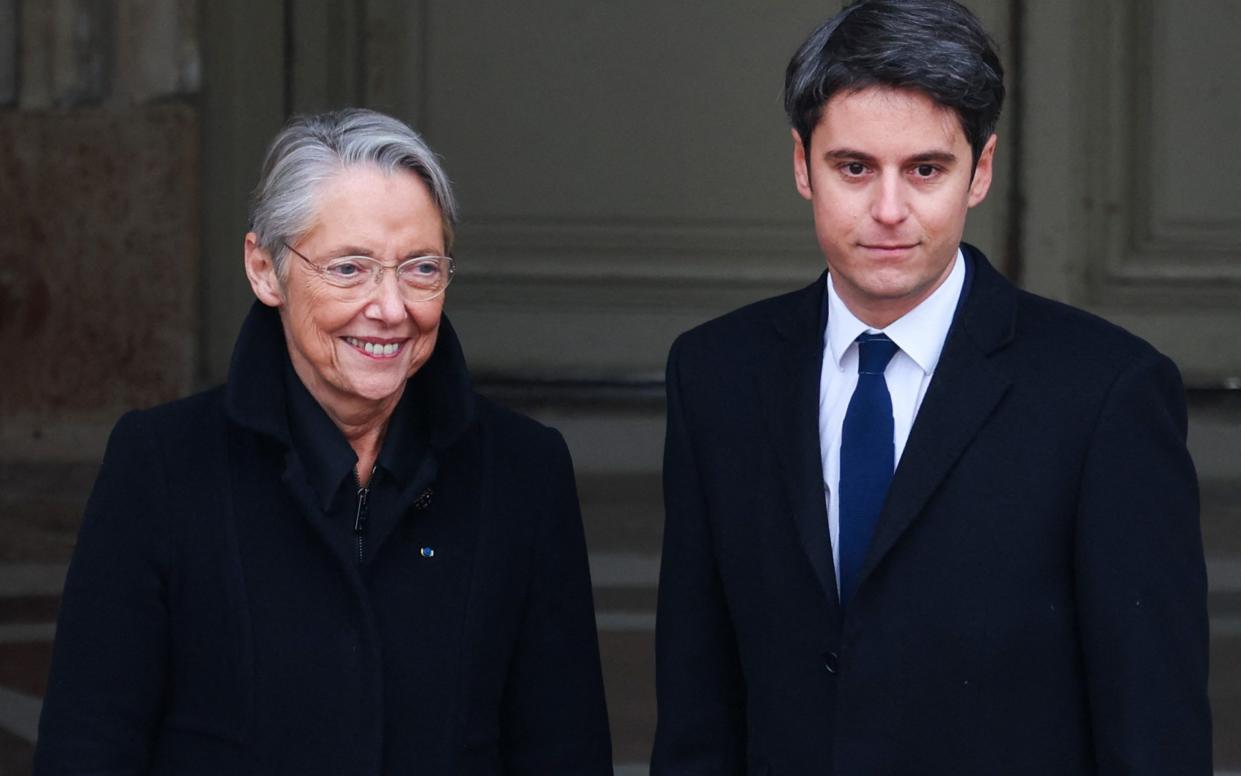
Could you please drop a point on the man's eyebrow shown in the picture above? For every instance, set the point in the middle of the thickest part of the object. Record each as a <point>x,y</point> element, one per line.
<point>943,157</point>
<point>848,155</point>
<point>851,155</point>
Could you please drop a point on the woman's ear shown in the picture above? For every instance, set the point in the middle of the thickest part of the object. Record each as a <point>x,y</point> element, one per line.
<point>261,271</point>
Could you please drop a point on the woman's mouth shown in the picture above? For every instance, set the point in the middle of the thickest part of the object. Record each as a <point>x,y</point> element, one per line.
<point>375,348</point>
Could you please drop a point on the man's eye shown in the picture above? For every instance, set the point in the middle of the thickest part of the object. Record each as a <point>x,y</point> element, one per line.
<point>926,170</point>
<point>854,168</point>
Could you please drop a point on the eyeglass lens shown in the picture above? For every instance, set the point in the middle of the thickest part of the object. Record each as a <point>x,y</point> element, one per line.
<point>422,275</point>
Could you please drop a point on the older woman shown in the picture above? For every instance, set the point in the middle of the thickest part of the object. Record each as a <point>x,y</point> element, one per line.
<point>343,561</point>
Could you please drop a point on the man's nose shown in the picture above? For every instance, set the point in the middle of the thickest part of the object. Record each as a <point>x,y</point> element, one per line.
<point>891,204</point>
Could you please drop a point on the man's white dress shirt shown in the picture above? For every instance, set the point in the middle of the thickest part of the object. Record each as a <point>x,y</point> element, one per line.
<point>920,335</point>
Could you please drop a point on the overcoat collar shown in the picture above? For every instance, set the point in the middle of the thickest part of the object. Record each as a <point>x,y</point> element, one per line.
<point>255,394</point>
<point>789,386</point>
<point>965,389</point>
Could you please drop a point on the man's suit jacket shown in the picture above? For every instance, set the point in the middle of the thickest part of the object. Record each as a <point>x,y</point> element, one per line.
<point>1033,600</point>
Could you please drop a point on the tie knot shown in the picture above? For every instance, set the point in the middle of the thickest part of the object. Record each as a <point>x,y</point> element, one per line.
<point>874,353</point>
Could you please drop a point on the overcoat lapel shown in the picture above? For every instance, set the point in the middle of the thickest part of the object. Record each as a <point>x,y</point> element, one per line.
<point>963,393</point>
<point>790,390</point>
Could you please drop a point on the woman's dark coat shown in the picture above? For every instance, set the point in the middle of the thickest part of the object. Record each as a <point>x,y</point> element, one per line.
<point>211,623</point>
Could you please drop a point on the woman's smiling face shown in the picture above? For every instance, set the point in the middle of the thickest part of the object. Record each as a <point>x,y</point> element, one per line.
<point>356,349</point>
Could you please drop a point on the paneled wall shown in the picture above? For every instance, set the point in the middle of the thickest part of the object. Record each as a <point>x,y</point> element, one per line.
<point>1133,175</point>
<point>1133,210</point>
<point>624,172</point>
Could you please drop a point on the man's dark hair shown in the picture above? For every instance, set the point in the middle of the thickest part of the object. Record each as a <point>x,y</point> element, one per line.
<point>937,47</point>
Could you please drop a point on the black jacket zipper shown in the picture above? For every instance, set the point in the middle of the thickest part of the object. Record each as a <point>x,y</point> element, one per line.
<point>363,513</point>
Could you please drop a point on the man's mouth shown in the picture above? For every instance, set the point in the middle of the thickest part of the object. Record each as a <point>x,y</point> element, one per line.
<point>889,247</point>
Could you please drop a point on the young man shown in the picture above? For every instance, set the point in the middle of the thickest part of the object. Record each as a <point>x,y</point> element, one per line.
<point>919,521</point>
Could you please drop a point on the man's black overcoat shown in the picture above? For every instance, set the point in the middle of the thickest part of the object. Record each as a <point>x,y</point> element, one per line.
<point>1034,600</point>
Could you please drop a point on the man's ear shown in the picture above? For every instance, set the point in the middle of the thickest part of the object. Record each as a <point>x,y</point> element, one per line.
<point>981,183</point>
<point>801,173</point>
<point>261,272</point>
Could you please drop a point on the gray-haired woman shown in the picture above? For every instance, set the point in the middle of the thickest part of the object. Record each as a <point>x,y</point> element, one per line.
<point>343,561</point>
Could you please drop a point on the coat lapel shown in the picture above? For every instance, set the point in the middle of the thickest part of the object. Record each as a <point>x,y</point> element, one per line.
<point>963,393</point>
<point>790,390</point>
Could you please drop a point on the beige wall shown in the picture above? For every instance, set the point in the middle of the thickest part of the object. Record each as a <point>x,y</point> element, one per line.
<point>624,169</point>
<point>1133,184</point>
<point>624,173</point>
<point>99,187</point>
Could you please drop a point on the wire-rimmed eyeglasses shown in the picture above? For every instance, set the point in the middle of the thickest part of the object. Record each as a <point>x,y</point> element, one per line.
<point>420,278</point>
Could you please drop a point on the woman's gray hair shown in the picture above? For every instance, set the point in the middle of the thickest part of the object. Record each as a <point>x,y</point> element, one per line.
<point>312,149</point>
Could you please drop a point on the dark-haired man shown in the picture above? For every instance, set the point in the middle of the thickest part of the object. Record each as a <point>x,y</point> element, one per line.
<point>919,521</point>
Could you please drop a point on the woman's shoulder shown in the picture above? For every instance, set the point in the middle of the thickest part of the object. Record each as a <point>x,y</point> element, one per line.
<point>509,427</point>
<point>179,422</point>
<point>186,410</point>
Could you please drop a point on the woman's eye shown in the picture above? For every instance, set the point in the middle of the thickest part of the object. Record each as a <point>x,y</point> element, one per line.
<point>420,270</point>
<point>346,269</point>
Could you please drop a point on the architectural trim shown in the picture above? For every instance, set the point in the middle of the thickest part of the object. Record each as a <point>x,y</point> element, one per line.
<point>1137,245</point>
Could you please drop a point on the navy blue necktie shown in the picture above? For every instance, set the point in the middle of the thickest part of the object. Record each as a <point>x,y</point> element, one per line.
<point>867,457</point>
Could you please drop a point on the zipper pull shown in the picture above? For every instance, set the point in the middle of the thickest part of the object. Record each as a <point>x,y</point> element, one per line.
<point>359,521</point>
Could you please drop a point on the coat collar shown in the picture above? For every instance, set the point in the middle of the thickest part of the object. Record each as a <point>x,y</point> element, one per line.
<point>965,389</point>
<point>255,393</point>
<point>789,385</point>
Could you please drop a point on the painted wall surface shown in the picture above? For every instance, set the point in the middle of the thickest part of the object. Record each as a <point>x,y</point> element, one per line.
<point>625,173</point>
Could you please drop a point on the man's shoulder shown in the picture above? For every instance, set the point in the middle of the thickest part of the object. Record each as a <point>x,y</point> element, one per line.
<point>748,330</point>
<point>1075,334</point>
<point>1045,334</point>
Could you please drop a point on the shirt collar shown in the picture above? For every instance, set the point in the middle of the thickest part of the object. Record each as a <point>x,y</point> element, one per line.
<point>326,453</point>
<point>919,333</point>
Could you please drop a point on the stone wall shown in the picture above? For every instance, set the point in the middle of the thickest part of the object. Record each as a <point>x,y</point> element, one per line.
<point>99,282</point>
<point>99,181</point>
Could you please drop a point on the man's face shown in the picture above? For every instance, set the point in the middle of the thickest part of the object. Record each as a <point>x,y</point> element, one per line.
<point>889,177</point>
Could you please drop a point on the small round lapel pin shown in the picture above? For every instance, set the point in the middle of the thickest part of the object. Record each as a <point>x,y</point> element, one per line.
<point>428,552</point>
